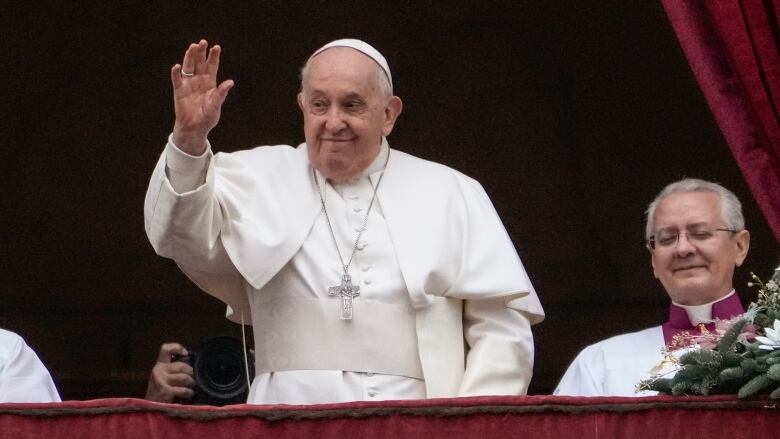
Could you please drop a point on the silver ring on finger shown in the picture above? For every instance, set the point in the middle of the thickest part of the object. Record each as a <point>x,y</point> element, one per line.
<point>186,75</point>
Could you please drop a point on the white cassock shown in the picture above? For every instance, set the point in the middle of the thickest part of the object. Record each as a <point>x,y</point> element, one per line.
<point>614,367</point>
<point>435,267</point>
<point>23,378</point>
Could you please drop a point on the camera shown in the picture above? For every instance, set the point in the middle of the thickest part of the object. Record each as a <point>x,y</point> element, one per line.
<point>219,371</point>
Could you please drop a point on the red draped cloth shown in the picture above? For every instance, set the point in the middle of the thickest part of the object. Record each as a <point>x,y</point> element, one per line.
<point>733,49</point>
<point>526,417</point>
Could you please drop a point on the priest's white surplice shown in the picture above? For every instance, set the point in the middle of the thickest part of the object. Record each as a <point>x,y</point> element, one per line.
<point>23,378</point>
<point>614,367</point>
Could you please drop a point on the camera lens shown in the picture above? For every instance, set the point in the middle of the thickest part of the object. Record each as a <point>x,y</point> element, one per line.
<point>218,365</point>
<point>223,368</point>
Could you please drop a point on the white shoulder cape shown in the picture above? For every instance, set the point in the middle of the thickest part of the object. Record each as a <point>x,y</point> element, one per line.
<point>449,239</point>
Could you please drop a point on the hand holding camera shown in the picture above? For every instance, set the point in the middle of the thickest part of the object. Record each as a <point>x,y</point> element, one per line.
<point>214,374</point>
<point>171,379</point>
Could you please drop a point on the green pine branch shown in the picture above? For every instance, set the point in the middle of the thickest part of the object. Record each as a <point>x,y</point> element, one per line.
<point>755,385</point>
<point>728,343</point>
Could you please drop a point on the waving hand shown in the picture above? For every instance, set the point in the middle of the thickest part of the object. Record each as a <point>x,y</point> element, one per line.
<point>197,97</point>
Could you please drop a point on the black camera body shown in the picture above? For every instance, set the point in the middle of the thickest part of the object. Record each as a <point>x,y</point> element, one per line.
<point>219,371</point>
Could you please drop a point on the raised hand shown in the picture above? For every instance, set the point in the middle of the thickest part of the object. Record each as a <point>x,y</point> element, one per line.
<point>197,98</point>
<point>170,379</point>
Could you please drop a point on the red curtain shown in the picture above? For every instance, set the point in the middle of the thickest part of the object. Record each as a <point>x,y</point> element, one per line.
<point>732,47</point>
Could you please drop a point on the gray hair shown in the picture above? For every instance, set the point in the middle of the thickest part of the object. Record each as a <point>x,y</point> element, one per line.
<point>385,87</point>
<point>730,207</point>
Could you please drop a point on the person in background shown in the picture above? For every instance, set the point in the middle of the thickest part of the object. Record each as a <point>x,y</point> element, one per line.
<point>23,378</point>
<point>696,237</point>
<point>170,380</point>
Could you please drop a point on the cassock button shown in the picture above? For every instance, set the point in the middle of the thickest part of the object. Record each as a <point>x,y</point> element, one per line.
<point>372,393</point>
<point>361,246</point>
<point>357,209</point>
<point>365,268</point>
<point>367,281</point>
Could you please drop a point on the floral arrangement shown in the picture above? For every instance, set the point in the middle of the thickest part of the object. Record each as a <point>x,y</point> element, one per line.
<point>741,355</point>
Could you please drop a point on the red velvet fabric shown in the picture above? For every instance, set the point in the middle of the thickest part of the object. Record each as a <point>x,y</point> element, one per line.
<point>733,49</point>
<point>482,417</point>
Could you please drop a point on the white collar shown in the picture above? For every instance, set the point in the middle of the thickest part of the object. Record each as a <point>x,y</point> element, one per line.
<point>702,313</point>
<point>376,166</point>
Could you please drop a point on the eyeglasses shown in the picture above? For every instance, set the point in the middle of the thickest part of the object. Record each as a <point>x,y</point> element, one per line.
<point>668,239</point>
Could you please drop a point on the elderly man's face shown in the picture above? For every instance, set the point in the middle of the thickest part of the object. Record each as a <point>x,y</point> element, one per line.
<point>695,269</point>
<point>345,114</point>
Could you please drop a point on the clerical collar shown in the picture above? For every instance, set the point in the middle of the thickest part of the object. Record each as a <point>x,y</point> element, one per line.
<point>376,166</point>
<point>687,318</point>
<point>701,313</point>
<point>379,162</point>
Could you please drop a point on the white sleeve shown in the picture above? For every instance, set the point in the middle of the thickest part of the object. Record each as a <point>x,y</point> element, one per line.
<point>185,172</point>
<point>501,349</point>
<point>23,378</point>
<point>182,216</point>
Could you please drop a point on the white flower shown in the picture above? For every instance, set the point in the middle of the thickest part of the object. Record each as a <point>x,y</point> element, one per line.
<point>772,339</point>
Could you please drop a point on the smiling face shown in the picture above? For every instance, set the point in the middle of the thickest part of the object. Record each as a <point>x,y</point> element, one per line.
<point>696,271</point>
<point>345,112</point>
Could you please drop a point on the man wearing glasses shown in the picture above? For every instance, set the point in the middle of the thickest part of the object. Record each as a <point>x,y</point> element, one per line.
<point>696,237</point>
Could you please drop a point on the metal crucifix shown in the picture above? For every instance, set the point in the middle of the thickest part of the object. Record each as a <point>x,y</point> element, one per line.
<point>347,292</point>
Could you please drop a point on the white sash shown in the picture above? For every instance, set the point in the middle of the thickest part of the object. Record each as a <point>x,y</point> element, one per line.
<point>307,334</point>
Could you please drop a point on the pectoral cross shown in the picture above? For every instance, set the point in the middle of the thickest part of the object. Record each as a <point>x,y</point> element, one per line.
<point>347,292</point>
